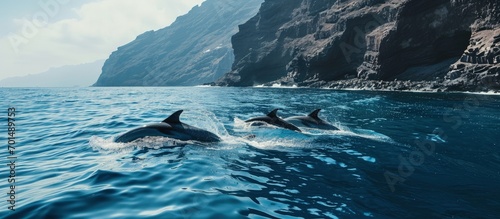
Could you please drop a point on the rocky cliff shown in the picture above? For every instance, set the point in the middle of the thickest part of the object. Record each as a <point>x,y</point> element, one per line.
<point>455,44</point>
<point>195,49</point>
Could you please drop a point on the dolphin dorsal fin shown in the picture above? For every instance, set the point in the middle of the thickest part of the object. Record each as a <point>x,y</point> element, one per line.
<point>273,114</point>
<point>174,118</point>
<point>314,114</point>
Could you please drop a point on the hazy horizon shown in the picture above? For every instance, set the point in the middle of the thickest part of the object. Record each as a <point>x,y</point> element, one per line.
<point>38,36</point>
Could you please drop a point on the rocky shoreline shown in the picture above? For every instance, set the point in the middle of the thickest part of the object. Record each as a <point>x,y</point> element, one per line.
<point>414,45</point>
<point>396,85</point>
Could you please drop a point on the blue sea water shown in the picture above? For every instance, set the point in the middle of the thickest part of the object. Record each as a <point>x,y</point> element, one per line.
<point>396,155</point>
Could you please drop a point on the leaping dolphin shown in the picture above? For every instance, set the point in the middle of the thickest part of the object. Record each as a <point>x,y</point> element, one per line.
<point>312,121</point>
<point>273,119</point>
<point>171,127</point>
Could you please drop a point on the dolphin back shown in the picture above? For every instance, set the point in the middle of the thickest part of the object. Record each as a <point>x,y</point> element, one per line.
<point>148,130</point>
<point>287,125</point>
<point>171,127</point>
<point>266,119</point>
<point>300,120</point>
<point>183,131</point>
<point>312,120</point>
<point>203,135</point>
<point>272,118</point>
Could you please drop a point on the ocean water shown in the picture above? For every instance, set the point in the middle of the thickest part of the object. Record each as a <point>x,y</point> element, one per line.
<point>396,155</point>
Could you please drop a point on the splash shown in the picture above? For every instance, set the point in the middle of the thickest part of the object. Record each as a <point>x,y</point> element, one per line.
<point>275,85</point>
<point>368,100</point>
<point>108,145</point>
<point>368,134</point>
<point>269,136</point>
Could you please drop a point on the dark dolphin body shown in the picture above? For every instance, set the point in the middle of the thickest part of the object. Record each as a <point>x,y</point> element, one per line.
<point>273,119</point>
<point>171,127</point>
<point>312,121</point>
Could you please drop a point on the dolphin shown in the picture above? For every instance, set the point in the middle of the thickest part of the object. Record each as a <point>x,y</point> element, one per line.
<point>273,119</point>
<point>312,121</point>
<point>171,127</point>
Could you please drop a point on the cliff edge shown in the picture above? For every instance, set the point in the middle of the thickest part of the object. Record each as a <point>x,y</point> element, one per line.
<point>195,49</point>
<point>449,44</point>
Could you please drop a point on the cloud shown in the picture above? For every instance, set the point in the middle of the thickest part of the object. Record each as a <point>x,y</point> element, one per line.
<point>93,32</point>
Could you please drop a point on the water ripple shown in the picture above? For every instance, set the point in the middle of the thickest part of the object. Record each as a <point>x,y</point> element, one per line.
<point>71,168</point>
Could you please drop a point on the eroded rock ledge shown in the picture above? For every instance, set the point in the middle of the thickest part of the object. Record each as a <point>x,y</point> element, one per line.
<point>436,44</point>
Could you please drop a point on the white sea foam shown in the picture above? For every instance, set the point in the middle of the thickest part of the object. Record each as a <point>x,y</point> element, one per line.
<point>204,85</point>
<point>368,134</point>
<point>109,145</point>
<point>99,143</point>
<point>367,100</point>
<point>276,85</point>
<point>411,91</point>
<point>268,136</point>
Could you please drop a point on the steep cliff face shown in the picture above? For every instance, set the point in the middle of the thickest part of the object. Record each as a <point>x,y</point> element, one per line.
<point>305,42</point>
<point>193,50</point>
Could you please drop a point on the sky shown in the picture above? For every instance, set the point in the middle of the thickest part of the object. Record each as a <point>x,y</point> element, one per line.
<point>37,35</point>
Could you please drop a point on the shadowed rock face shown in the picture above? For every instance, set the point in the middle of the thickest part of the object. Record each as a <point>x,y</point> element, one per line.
<point>195,49</point>
<point>304,42</point>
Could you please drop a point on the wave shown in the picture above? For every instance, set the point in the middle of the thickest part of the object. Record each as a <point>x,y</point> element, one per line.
<point>276,85</point>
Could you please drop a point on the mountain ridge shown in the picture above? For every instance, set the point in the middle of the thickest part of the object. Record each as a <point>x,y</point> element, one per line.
<point>80,75</point>
<point>194,49</point>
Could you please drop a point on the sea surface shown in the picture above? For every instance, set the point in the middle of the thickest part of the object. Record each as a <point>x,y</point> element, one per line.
<point>396,155</point>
